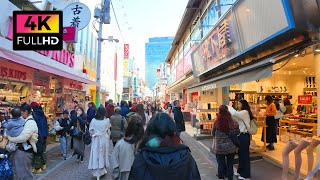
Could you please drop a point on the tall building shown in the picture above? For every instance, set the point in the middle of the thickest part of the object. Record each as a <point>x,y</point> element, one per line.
<point>156,52</point>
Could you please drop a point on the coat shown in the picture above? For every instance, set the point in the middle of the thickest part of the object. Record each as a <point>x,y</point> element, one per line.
<point>124,111</point>
<point>91,112</point>
<point>100,133</point>
<point>41,121</point>
<point>169,163</point>
<point>116,133</point>
<point>222,144</point>
<point>179,119</point>
<point>123,156</point>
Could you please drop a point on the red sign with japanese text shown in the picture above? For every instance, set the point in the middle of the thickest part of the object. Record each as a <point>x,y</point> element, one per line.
<point>126,51</point>
<point>305,99</point>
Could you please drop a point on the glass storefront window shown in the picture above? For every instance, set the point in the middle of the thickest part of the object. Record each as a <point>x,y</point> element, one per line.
<point>186,47</point>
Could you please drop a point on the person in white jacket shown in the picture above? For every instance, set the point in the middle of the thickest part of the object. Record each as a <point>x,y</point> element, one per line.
<point>22,160</point>
<point>243,117</point>
<point>124,152</point>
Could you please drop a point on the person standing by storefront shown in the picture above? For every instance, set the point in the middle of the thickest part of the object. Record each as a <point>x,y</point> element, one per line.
<point>100,132</point>
<point>178,117</point>
<point>22,160</point>
<point>40,159</point>
<point>281,109</point>
<point>61,127</point>
<point>223,147</point>
<point>271,132</point>
<point>243,117</point>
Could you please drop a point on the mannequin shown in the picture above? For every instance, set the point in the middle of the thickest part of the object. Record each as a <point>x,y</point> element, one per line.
<point>291,145</point>
<point>304,143</point>
<point>314,143</point>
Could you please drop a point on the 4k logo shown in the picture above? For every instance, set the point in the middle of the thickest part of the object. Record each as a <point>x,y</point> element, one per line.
<point>37,30</point>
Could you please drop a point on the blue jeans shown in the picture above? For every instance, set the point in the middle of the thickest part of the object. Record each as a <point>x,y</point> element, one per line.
<point>225,165</point>
<point>63,145</point>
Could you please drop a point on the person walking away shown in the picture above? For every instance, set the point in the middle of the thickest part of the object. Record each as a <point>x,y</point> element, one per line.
<point>162,154</point>
<point>61,127</point>
<point>271,132</point>
<point>178,117</point>
<point>22,159</point>
<point>100,132</point>
<point>223,147</point>
<point>118,125</point>
<point>243,117</point>
<point>78,131</point>
<point>110,109</point>
<point>124,109</point>
<point>143,114</point>
<point>124,152</point>
<point>40,158</point>
<point>281,109</point>
<point>91,112</point>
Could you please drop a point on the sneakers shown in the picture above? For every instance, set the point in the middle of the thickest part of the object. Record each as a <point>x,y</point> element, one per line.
<point>242,178</point>
<point>36,171</point>
<point>44,167</point>
<point>236,174</point>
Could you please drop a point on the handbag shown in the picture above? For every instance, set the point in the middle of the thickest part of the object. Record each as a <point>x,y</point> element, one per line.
<point>253,126</point>
<point>77,131</point>
<point>87,137</point>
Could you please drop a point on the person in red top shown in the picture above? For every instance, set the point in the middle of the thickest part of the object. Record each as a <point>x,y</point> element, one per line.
<point>110,108</point>
<point>271,130</point>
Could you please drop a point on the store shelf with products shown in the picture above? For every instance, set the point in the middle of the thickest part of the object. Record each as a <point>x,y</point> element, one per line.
<point>296,127</point>
<point>206,113</point>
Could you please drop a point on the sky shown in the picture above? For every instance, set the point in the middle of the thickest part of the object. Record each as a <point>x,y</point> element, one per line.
<point>142,19</point>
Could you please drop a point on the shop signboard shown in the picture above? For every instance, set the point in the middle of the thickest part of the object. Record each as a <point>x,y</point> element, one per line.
<point>76,15</point>
<point>125,90</point>
<point>125,67</point>
<point>209,87</point>
<point>217,48</point>
<point>6,72</point>
<point>70,34</point>
<point>126,51</point>
<point>305,99</point>
<point>64,56</point>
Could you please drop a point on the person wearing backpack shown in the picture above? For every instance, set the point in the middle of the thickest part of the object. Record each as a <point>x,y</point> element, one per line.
<point>22,159</point>
<point>118,126</point>
<point>61,127</point>
<point>243,117</point>
<point>39,159</point>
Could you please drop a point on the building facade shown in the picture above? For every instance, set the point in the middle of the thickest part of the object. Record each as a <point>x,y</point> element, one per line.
<point>156,50</point>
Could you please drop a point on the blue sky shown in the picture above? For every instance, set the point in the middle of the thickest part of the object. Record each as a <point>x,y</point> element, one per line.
<point>141,19</point>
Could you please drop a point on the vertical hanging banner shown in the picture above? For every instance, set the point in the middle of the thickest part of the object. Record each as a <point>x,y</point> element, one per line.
<point>125,67</point>
<point>126,51</point>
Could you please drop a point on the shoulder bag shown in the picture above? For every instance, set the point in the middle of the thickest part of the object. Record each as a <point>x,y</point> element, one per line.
<point>253,126</point>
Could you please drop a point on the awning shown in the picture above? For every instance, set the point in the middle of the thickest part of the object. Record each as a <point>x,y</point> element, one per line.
<point>253,72</point>
<point>42,67</point>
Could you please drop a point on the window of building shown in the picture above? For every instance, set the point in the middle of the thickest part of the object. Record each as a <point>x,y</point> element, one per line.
<point>186,46</point>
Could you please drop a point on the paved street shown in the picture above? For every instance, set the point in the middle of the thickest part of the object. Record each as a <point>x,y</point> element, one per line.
<point>70,169</point>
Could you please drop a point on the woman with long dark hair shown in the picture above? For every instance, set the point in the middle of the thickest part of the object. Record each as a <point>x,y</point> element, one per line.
<point>243,117</point>
<point>223,147</point>
<point>100,133</point>
<point>271,130</point>
<point>123,154</point>
<point>143,114</point>
<point>79,128</point>
<point>162,154</point>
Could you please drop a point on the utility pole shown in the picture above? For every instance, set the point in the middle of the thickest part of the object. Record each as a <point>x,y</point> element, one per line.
<point>103,16</point>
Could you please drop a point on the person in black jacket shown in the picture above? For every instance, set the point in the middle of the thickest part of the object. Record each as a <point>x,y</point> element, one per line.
<point>178,117</point>
<point>78,125</point>
<point>162,154</point>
